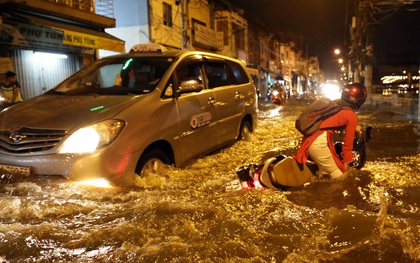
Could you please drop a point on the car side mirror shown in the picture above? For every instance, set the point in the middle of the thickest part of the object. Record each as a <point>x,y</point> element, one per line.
<point>190,85</point>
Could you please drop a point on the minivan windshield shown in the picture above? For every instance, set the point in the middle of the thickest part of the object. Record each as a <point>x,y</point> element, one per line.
<point>116,76</point>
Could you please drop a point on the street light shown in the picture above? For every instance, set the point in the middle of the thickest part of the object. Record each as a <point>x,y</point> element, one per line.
<point>341,59</point>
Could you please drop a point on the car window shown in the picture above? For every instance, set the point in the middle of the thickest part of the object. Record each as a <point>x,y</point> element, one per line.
<point>117,76</point>
<point>106,74</point>
<point>239,73</point>
<point>219,74</point>
<point>189,70</point>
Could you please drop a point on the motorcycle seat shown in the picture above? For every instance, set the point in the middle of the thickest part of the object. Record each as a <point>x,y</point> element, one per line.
<point>285,173</point>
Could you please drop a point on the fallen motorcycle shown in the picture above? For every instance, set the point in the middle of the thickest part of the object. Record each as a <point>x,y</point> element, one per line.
<point>283,172</point>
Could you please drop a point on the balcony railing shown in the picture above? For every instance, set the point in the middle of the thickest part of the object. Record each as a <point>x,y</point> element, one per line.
<point>99,7</point>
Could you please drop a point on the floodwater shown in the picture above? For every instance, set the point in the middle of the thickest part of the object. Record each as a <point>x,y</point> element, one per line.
<point>371,216</point>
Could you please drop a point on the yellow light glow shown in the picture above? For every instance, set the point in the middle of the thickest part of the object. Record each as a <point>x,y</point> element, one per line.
<point>82,141</point>
<point>331,90</point>
<point>102,183</point>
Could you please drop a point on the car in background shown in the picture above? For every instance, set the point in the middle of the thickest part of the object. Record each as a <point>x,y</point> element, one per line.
<point>129,115</point>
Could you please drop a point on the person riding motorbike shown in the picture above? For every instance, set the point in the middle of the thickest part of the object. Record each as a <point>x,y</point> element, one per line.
<point>277,93</point>
<point>319,147</point>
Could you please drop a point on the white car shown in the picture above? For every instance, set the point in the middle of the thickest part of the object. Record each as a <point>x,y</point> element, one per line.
<point>126,115</point>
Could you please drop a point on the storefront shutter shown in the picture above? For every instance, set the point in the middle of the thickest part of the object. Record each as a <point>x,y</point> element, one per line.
<point>38,74</point>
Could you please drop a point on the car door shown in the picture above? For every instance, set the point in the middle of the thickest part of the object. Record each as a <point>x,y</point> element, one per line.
<point>197,113</point>
<point>230,98</point>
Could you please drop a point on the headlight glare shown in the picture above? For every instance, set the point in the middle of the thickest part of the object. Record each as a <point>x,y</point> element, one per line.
<point>91,138</point>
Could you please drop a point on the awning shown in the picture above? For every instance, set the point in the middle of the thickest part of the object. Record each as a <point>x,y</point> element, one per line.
<point>79,36</point>
<point>256,72</point>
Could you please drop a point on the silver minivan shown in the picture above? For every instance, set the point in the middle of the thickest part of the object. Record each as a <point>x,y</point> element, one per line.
<point>127,115</point>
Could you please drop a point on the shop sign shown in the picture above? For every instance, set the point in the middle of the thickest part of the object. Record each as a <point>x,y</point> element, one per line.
<point>26,36</point>
<point>91,41</point>
<point>31,36</point>
<point>208,37</point>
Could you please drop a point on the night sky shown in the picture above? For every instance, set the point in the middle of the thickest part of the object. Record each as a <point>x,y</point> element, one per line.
<point>323,25</point>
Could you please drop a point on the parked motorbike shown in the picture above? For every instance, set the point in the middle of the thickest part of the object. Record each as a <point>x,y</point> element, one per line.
<point>283,172</point>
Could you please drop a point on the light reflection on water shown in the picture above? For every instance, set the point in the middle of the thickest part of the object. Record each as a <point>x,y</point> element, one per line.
<point>187,217</point>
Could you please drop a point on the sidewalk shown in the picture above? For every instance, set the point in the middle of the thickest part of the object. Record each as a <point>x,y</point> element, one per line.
<point>404,106</point>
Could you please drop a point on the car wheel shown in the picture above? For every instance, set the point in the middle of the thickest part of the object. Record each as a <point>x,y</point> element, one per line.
<point>154,161</point>
<point>245,131</point>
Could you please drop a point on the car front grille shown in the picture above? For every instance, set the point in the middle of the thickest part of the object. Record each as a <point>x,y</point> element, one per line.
<point>27,140</point>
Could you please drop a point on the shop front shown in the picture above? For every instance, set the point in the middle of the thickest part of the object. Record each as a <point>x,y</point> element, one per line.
<point>44,52</point>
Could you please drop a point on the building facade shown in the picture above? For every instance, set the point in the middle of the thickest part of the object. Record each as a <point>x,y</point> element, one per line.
<point>73,33</point>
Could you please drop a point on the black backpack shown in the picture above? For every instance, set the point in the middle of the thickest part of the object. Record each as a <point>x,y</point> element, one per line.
<point>309,121</point>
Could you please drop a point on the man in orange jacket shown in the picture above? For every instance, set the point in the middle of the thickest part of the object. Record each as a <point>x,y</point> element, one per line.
<point>319,147</point>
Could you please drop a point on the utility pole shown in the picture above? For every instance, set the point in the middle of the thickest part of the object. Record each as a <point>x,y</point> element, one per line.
<point>367,15</point>
<point>356,32</point>
<point>184,23</point>
<point>361,53</point>
<point>369,48</point>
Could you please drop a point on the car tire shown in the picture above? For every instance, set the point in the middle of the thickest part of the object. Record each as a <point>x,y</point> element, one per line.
<point>154,161</point>
<point>245,131</point>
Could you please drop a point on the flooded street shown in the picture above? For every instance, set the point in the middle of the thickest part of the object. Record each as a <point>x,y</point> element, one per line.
<point>372,216</point>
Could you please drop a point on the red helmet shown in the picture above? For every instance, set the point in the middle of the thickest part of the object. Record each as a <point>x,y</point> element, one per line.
<point>354,93</point>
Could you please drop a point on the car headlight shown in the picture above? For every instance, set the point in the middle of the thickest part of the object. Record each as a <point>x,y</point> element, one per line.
<point>89,139</point>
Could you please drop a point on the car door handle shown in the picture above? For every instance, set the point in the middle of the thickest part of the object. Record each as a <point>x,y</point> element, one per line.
<point>211,101</point>
<point>238,95</point>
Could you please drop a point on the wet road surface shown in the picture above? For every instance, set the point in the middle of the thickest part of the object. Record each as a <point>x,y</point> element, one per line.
<point>371,216</point>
